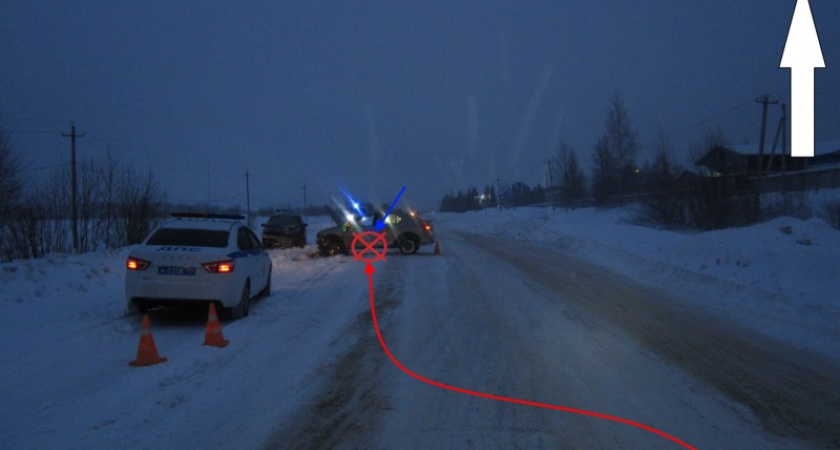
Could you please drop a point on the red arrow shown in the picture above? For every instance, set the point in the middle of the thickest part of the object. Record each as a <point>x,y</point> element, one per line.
<point>802,54</point>
<point>369,270</point>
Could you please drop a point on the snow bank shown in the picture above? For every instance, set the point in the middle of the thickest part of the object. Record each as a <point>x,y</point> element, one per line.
<point>781,278</point>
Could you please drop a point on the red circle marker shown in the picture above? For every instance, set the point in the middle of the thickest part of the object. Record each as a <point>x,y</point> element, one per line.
<point>369,241</point>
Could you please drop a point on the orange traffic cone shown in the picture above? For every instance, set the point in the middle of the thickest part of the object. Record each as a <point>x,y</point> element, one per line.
<point>213,335</point>
<point>437,248</point>
<point>147,354</point>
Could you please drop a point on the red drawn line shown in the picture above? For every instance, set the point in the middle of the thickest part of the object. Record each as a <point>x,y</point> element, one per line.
<point>369,270</point>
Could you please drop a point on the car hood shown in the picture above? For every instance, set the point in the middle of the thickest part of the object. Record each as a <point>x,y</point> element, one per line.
<point>334,216</point>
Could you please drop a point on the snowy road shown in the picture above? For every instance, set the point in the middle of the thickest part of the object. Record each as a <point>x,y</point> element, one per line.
<point>305,369</point>
<point>519,321</point>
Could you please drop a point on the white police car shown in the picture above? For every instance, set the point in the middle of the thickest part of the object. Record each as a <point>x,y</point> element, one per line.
<point>198,258</point>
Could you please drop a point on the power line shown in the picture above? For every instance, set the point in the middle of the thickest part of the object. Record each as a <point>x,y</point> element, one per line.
<point>30,119</point>
<point>33,169</point>
<point>719,115</point>
<point>136,154</point>
<point>208,201</point>
<point>153,158</point>
<point>32,131</point>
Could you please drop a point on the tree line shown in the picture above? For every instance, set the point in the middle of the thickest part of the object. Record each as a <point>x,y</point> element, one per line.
<point>513,195</point>
<point>664,196</point>
<point>116,206</point>
<point>614,173</point>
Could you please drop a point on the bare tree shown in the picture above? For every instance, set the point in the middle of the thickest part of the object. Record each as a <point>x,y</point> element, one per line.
<point>615,155</point>
<point>623,143</point>
<point>11,186</point>
<point>604,177</point>
<point>10,181</point>
<point>43,223</point>
<point>140,206</point>
<point>105,225</point>
<point>570,174</point>
<point>664,171</point>
<point>665,204</point>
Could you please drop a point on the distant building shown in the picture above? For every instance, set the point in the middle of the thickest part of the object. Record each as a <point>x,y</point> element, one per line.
<point>738,165</point>
<point>733,160</point>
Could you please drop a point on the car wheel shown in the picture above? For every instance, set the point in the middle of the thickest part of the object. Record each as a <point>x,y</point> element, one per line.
<point>267,289</point>
<point>332,246</point>
<point>408,245</point>
<point>244,306</point>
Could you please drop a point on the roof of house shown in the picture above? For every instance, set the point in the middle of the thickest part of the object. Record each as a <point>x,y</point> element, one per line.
<point>820,148</point>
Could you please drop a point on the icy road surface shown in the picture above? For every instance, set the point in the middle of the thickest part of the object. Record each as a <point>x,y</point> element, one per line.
<point>305,370</point>
<point>516,320</point>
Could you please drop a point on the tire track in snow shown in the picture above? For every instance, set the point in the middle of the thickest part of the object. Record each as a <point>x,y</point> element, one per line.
<point>793,393</point>
<point>344,411</point>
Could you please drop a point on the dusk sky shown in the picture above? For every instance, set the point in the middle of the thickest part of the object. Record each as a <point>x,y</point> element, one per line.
<point>371,96</point>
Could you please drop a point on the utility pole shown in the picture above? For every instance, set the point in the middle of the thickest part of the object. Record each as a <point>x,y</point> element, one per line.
<point>248,195</point>
<point>499,193</point>
<point>550,184</point>
<point>765,101</point>
<point>304,201</point>
<point>73,212</point>
<point>784,152</point>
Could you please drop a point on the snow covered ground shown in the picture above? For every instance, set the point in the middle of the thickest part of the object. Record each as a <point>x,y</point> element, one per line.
<point>781,278</point>
<point>65,381</point>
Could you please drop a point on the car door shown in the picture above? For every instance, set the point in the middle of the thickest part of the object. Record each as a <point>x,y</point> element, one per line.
<point>247,259</point>
<point>261,259</point>
<point>259,262</point>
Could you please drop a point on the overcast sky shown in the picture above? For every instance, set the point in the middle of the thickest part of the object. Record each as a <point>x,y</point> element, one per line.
<point>371,96</point>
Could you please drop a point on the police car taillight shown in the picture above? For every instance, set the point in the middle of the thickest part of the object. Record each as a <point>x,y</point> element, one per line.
<point>219,267</point>
<point>136,264</point>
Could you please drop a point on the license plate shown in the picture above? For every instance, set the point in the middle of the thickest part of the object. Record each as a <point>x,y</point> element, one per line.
<point>175,270</point>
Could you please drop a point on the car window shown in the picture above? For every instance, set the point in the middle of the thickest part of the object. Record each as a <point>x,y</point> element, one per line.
<point>243,242</point>
<point>255,242</point>
<point>284,221</point>
<point>189,237</point>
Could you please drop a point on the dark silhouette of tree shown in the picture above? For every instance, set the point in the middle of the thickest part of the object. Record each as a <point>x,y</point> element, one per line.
<point>615,155</point>
<point>604,174</point>
<point>11,186</point>
<point>10,180</point>
<point>665,204</point>
<point>571,178</point>
<point>623,143</point>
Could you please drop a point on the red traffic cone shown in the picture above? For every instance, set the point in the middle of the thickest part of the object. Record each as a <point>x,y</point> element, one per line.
<point>213,335</point>
<point>147,354</point>
<point>437,248</point>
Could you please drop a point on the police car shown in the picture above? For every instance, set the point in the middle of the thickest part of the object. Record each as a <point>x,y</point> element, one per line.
<point>198,258</point>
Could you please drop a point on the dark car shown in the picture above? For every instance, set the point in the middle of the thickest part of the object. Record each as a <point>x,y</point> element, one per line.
<point>284,231</point>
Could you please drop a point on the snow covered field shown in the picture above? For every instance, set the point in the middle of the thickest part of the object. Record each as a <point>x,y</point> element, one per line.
<point>66,343</point>
<point>781,278</point>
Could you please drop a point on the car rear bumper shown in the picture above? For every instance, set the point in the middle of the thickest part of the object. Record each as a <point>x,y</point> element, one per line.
<point>157,291</point>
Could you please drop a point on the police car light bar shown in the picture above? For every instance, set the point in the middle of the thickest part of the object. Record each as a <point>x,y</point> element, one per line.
<point>189,215</point>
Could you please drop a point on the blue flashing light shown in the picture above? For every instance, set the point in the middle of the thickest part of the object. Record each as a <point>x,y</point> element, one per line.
<point>381,224</point>
<point>352,202</point>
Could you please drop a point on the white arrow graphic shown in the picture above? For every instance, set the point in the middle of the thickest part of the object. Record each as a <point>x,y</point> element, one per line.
<point>802,55</point>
